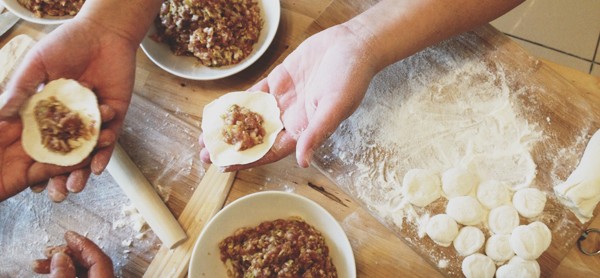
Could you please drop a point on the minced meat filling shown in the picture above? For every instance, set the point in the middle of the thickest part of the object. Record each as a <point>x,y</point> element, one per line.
<point>41,8</point>
<point>217,32</point>
<point>279,248</point>
<point>243,128</point>
<point>60,127</point>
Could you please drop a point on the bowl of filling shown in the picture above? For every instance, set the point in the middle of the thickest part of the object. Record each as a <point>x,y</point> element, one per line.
<point>44,11</point>
<point>212,39</point>
<point>272,234</point>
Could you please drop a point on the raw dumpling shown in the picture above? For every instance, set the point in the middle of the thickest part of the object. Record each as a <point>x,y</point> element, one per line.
<point>80,115</point>
<point>225,154</point>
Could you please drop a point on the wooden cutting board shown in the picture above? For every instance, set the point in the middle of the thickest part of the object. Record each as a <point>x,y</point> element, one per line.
<point>541,97</point>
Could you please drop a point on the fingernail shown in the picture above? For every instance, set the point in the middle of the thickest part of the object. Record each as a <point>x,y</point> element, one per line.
<point>56,195</point>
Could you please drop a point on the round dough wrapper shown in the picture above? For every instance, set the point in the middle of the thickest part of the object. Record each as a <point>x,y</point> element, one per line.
<point>223,154</point>
<point>469,240</point>
<point>421,187</point>
<point>478,266</point>
<point>529,202</point>
<point>442,229</point>
<point>465,210</point>
<point>498,248</point>
<point>503,219</point>
<point>75,97</point>
<point>458,181</point>
<point>493,194</point>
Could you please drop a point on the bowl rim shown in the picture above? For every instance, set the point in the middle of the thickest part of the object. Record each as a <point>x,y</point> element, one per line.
<point>336,238</point>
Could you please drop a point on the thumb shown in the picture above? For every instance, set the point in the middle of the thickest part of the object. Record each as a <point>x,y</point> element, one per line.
<point>22,85</point>
<point>61,266</point>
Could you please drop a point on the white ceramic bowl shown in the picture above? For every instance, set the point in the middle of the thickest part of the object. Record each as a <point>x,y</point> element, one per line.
<point>14,7</point>
<point>251,210</point>
<point>190,68</point>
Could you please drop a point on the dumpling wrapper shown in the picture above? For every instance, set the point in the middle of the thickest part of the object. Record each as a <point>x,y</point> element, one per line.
<point>75,97</point>
<point>223,154</point>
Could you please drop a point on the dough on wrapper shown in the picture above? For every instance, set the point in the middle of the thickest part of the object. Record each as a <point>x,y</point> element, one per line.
<point>223,154</point>
<point>478,266</point>
<point>78,99</point>
<point>503,219</point>
<point>498,248</point>
<point>529,202</point>
<point>442,229</point>
<point>530,241</point>
<point>519,268</point>
<point>421,187</point>
<point>469,240</point>
<point>465,210</point>
<point>458,181</point>
<point>493,194</point>
<point>581,191</point>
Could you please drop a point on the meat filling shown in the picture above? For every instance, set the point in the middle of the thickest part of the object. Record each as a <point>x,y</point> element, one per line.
<point>42,8</point>
<point>279,248</point>
<point>243,128</point>
<point>217,32</point>
<point>61,128</point>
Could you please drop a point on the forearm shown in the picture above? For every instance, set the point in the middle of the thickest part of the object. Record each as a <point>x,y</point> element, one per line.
<point>395,29</point>
<point>130,18</point>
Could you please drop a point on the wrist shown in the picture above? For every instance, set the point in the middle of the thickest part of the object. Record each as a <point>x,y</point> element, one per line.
<point>128,19</point>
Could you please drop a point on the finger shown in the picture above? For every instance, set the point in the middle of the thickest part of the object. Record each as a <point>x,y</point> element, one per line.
<point>57,188</point>
<point>324,122</point>
<point>106,113</point>
<point>22,85</point>
<point>101,159</point>
<point>61,266</point>
<point>39,187</point>
<point>50,251</point>
<point>41,266</point>
<point>284,145</point>
<point>77,179</point>
<point>106,138</point>
<point>89,255</point>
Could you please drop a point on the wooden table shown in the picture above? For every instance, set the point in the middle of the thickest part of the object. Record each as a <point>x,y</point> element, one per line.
<point>378,252</point>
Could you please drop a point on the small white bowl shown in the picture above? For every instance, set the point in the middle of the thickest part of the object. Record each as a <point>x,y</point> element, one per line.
<point>190,68</point>
<point>14,7</point>
<point>253,209</point>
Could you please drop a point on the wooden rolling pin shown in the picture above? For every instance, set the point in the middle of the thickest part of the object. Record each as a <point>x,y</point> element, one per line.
<point>207,200</point>
<point>145,199</point>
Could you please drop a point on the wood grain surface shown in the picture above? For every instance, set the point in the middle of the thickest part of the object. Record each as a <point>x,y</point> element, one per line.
<point>160,135</point>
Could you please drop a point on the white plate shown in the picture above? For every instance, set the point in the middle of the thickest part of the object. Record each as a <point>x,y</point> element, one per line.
<point>251,210</point>
<point>190,68</point>
<point>14,7</point>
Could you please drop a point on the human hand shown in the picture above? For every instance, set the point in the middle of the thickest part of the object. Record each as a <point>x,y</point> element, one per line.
<point>317,86</point>
<point>18,170</point>
<point>80,257</point>
<point>98,58</point>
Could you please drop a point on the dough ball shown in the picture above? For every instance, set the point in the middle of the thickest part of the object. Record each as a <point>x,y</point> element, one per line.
<point>493,194</point>
<point>503,219</point>
<point>74,97</point>
<point>519,268</point>
<point>530,241</point>
<point>421,187</point>
<point>224,154</point>
<point>442,229</point>
<point>498,248</point>
<point>465,210</point>
<point>529,202</point>
<point>469,240</point>
<point>478,266</point>
<point>458,182</point>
